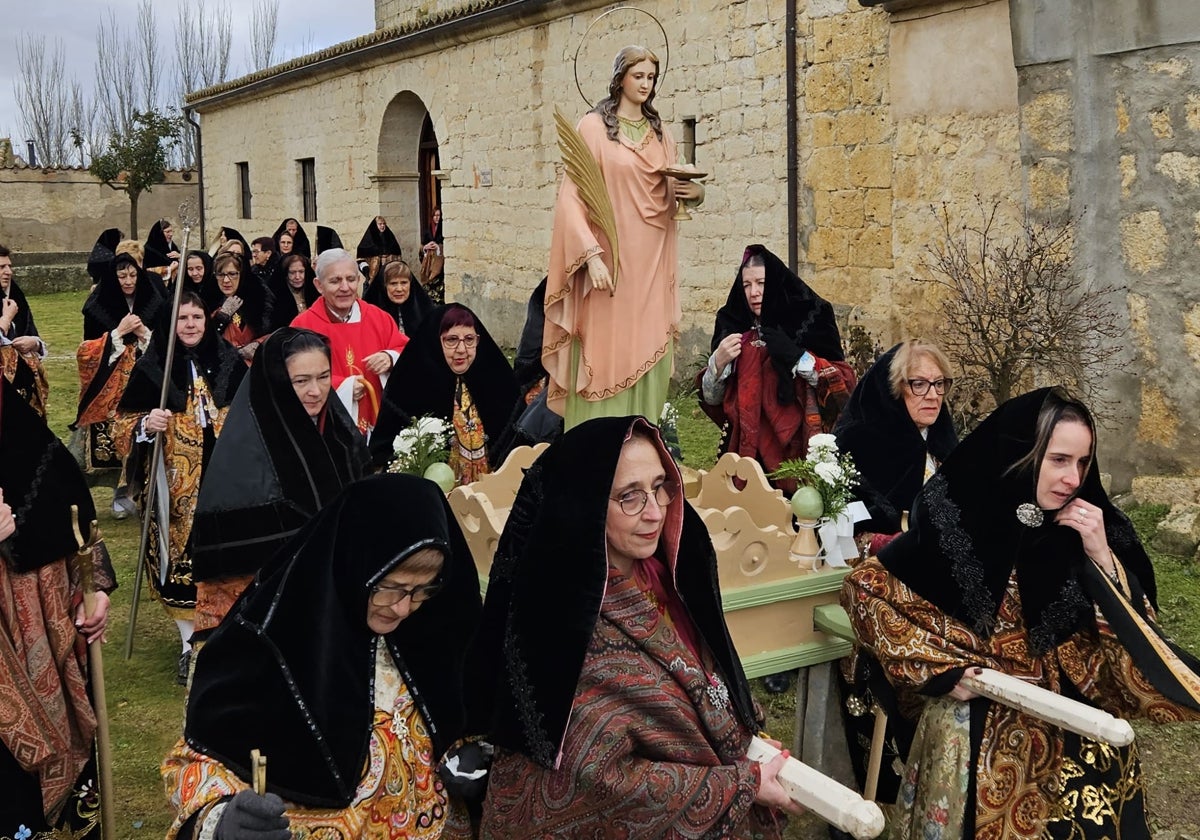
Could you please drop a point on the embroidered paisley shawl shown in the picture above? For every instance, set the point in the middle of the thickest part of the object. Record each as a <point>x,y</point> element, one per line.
<point>1030,778</point>
<point>647,753</point>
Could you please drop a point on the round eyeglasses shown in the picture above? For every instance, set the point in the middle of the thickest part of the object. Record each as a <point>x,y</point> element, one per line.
<point>452,341</point>
<point>383,595</point>
<point>633,502</point>
<point>920,387</point>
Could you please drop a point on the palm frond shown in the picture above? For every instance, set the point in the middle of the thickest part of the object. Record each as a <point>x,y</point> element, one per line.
<point>584,172</point>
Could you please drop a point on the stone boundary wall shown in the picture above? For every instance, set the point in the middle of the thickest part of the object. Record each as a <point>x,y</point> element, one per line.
<point>55,210</point>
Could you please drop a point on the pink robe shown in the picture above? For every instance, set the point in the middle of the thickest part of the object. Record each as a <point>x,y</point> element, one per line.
<point>352,342</point>
<point>624,335</point>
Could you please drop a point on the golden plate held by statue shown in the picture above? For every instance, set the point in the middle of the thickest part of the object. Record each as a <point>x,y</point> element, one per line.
<point>683,174</point>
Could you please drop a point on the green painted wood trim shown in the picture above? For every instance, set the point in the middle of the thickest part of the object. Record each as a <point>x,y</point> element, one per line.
<point>801,586</point>
<point>832,619</point>
<point>800,656</point>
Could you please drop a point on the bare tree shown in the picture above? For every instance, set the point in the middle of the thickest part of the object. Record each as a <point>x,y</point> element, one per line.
<point>149,67</point>
<point>86,135</point>
<point>116,72</point>
<point>1015,311</point>
<point>202,45</point>
<point>264,30</point>
<point>43,98</point>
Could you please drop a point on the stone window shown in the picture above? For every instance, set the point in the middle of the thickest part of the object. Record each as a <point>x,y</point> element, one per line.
<point>243,172</point>
<point>308,187</point>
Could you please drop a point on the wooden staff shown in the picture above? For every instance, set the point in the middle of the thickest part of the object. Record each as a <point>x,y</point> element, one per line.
<point>85,563</point>
<point>875,757</point>
<point>155,458</point>
<point>258,772</point>
<point>1071,715</point>
<point>827,798</point>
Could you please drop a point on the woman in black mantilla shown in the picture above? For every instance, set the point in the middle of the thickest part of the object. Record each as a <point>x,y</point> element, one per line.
<point>292,290</point>
<point>378,247</point>
<point>344,664</point>
<point>238,304</point>
<point>1016,560</point>
<point>285,452</point>
<point>205,374</point>
<point>299,238</point>
<point>399,294</point>
<point>21,348</point>
<point>618,703</point>
<point>47,773</point>
<point>161,253</point>
<point>777,374</point>
<point>102,253</point>
<point>453,370</point>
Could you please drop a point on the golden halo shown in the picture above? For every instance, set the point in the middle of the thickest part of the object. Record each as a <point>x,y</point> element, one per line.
<point>666,54</point>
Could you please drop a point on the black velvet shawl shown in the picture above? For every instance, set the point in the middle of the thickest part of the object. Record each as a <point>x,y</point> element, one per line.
<point>299,240</point>
<point>422,384</point>
<point>411,312</point>
<point>548,581</point>
<point>272,468</point>
<point>106,305</point>
<point>377,243</point>
<point>40,480</point>
<point>216,360</point>
<point>283,303</point>
<point>877,430</point>
<point>157,247</point>
<point>291,669</point>
<point>965,539</point>
<point>527,366</point>
<point>102,253</point>
<point>327,238</point>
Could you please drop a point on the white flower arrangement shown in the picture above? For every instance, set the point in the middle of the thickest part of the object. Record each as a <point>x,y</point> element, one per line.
<point>826,469</point>
<point>426,441</point>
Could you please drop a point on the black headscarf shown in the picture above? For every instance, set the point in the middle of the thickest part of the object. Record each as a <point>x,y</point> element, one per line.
<point>23,323</point>
<point>377,243</point>
<point>103,252</point>
<point>41,480</point>
<point>889,451</point>
<point>527,366</point>
<point>157,247</point>
<point>327,238</point>
<point>291,669</point>
<point>232,234</point>
<point>106,305</point>
<point>299,239</point>
<point>283,302</point>
<point>422,384</point>
<point>788,304</point>
<point>257,302</point>
<point>412,311</point>
<point>272,468</point>
<point>965,539</point>
<point>208,281</point>
<point>216,360</point>
<point>548,581</point>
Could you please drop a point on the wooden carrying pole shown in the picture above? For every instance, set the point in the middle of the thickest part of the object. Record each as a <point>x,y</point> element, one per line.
<point>258,772</point>
<point>85,563</point>
<point>827,798</point>
<point>157,454</point>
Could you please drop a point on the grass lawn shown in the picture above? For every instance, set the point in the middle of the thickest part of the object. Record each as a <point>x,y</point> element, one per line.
<point>146,707</point>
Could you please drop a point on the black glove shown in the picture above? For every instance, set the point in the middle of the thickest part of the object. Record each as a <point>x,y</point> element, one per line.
<point>221,319</point>
<point>782,347</point>
<point>472,757</point>
<point>249,816</point>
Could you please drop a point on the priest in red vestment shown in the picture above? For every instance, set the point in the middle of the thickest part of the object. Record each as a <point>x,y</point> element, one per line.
<point>364,338</point>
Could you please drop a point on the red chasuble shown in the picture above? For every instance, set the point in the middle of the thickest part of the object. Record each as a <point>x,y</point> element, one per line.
<point>368,331</point>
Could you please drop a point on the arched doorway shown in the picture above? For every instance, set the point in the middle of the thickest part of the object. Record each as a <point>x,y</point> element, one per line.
<point>405,175</point>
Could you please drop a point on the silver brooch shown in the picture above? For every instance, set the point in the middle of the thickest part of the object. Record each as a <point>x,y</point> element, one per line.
<point>1030,515</point>
<point>718,694</point>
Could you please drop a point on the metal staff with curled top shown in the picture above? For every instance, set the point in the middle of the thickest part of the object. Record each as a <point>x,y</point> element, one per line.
<point>186,221</point>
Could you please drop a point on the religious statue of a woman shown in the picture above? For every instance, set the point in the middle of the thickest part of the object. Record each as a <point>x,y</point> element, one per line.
<point>609,340</point>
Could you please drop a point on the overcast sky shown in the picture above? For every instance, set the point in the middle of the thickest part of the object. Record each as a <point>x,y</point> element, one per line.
<point>304,26</point>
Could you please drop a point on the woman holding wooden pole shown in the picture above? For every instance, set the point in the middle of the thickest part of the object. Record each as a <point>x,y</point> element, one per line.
<point>1017,561</point>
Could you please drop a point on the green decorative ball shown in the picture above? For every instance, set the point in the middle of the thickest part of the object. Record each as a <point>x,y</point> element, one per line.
<point>441,475</point>
<point>807,504</point>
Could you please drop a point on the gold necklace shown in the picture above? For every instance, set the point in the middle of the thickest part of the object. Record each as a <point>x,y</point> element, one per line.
<point>632,123</point>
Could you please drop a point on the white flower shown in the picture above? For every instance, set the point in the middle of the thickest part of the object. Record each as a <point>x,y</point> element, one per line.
<point>829,473</point>
<point>432,426</point>
<point>823,441</point>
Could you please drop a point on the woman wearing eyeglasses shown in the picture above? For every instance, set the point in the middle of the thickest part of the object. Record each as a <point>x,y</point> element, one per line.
<point>453,370</point>
<point>238,304</point>
<point>777,374</point>
<point>617,702</point>
<point>343,664</point>
<point>898,430</point>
